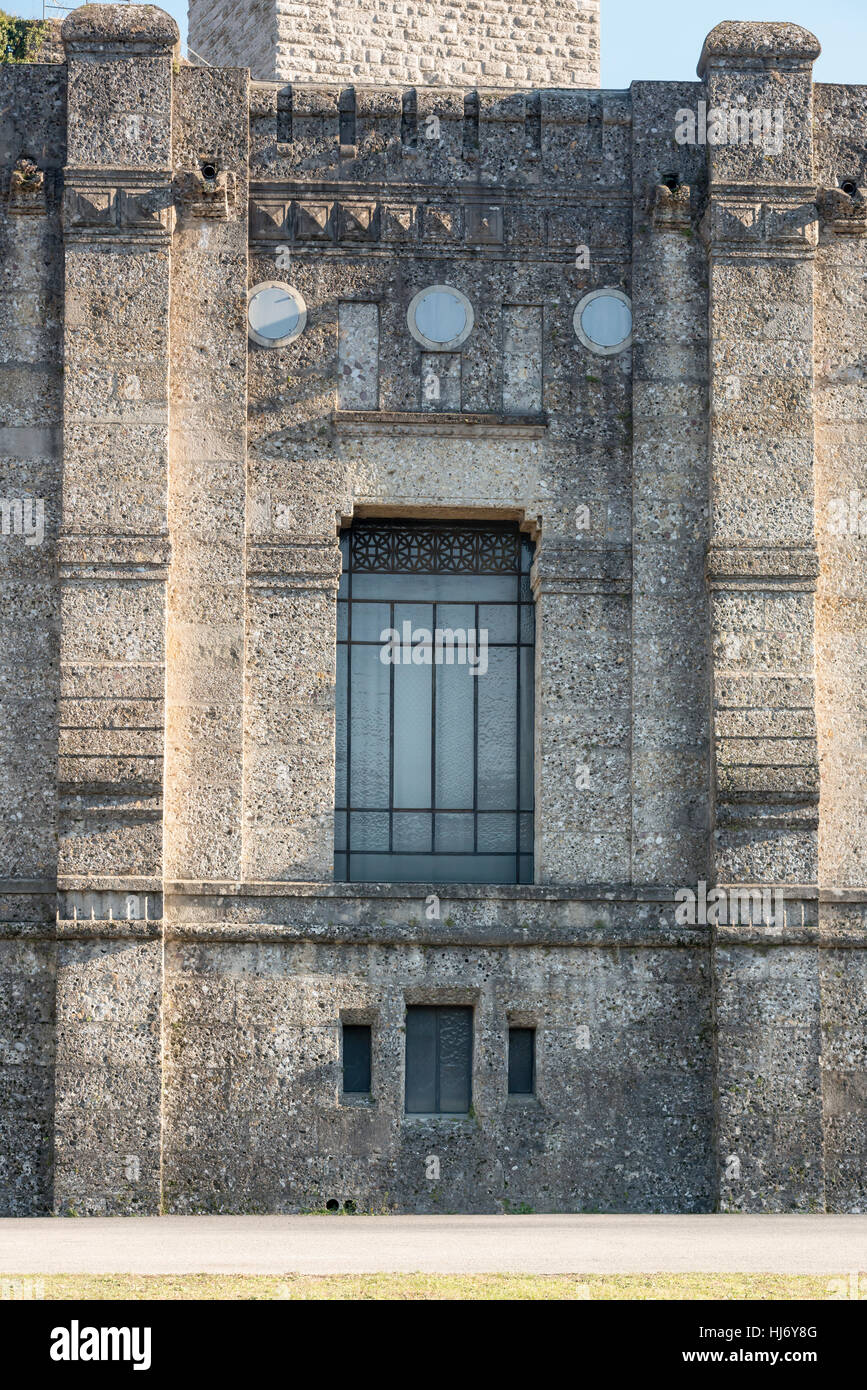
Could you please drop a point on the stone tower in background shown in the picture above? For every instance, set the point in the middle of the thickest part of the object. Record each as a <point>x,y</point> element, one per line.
<point>486,43</point>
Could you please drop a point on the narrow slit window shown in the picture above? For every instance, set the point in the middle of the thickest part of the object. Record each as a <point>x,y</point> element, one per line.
<point>522,1061</point>
<point>356,1058</point>
<point>439,1055</point>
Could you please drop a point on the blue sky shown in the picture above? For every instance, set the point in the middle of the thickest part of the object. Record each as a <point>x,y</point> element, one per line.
<point>661,39</point>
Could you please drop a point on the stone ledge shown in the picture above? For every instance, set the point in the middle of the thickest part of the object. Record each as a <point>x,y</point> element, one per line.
<point>452,425</point>
<point>135,28</point>
<point>747,43</point>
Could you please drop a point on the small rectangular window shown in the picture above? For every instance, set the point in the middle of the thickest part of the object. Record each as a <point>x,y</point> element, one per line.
<point>356,1058</point>
<point>522,1061</point>
<point>439,1051</point>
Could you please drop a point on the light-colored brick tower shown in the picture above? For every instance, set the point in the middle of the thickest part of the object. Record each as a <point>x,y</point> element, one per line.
<point>487,43</point>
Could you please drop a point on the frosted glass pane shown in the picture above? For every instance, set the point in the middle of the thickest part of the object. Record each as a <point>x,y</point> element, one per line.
<point>369,620</point>
<point>454,730</point>
<point>368,785</point>
<point>498,831</point>
<point>500,621</point>
<point>455,615</point>
<point>421,1061</point>
<point>340,727</point>
<point>527,695</point>
<point>412,621</point>
<point>446,588</point>
<point>454,833</point>
<point>412,833</point>
<point>432,868</point>
<point>368,830</point>
<point>412,735</point>
<point>455,1060</point>
<point>497,732</point>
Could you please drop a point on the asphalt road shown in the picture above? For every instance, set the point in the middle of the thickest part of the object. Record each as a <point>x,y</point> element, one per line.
<point>434,1244</point>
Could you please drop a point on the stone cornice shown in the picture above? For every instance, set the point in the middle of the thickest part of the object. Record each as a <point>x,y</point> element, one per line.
<point>564,566</point>
<point>304,564</point>
<point>446,424</point>
<point>124,557</point>
<point>742,565</point>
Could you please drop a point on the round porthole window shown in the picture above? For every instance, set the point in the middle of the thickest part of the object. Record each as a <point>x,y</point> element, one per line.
<point>276,314</point>
<point>440,318</point>
<point>603,322</point>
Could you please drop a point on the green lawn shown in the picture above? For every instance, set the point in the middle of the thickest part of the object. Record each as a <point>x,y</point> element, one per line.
<point>421,1286</point>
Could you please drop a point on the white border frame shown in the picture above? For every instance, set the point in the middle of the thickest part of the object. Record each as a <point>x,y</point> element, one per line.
<point>597,348</point>
<point>299,304</point>
<point>427,343</point>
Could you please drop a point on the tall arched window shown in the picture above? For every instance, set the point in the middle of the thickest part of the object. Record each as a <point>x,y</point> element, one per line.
<point>435,704</point>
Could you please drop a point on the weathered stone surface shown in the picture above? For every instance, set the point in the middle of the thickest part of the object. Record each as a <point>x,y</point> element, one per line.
<point>176,960</point>
<point>523,44</point>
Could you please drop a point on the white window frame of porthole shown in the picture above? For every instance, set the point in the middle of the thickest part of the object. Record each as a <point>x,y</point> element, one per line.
<point>599,349</point>
<point>429,344</point>
<point>294,295</point>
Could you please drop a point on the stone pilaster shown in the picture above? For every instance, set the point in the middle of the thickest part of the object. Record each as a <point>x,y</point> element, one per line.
<point>292,584</point>
<point>205,652</point>
<point>114,555</point>
<point>760,228</point>
<point>582,712</point>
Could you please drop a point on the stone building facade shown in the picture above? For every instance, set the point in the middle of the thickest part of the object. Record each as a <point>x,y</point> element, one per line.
<point>655,391</point>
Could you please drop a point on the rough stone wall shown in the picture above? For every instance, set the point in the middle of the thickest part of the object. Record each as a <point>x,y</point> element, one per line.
<point>228,34</point>
<point>841,632</point>
<point>207,495</point>
<point>255,1115</point>
<point>533,43</point>
<point>367,234</point>
<point>33,125</point>
<point>176,962</point>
